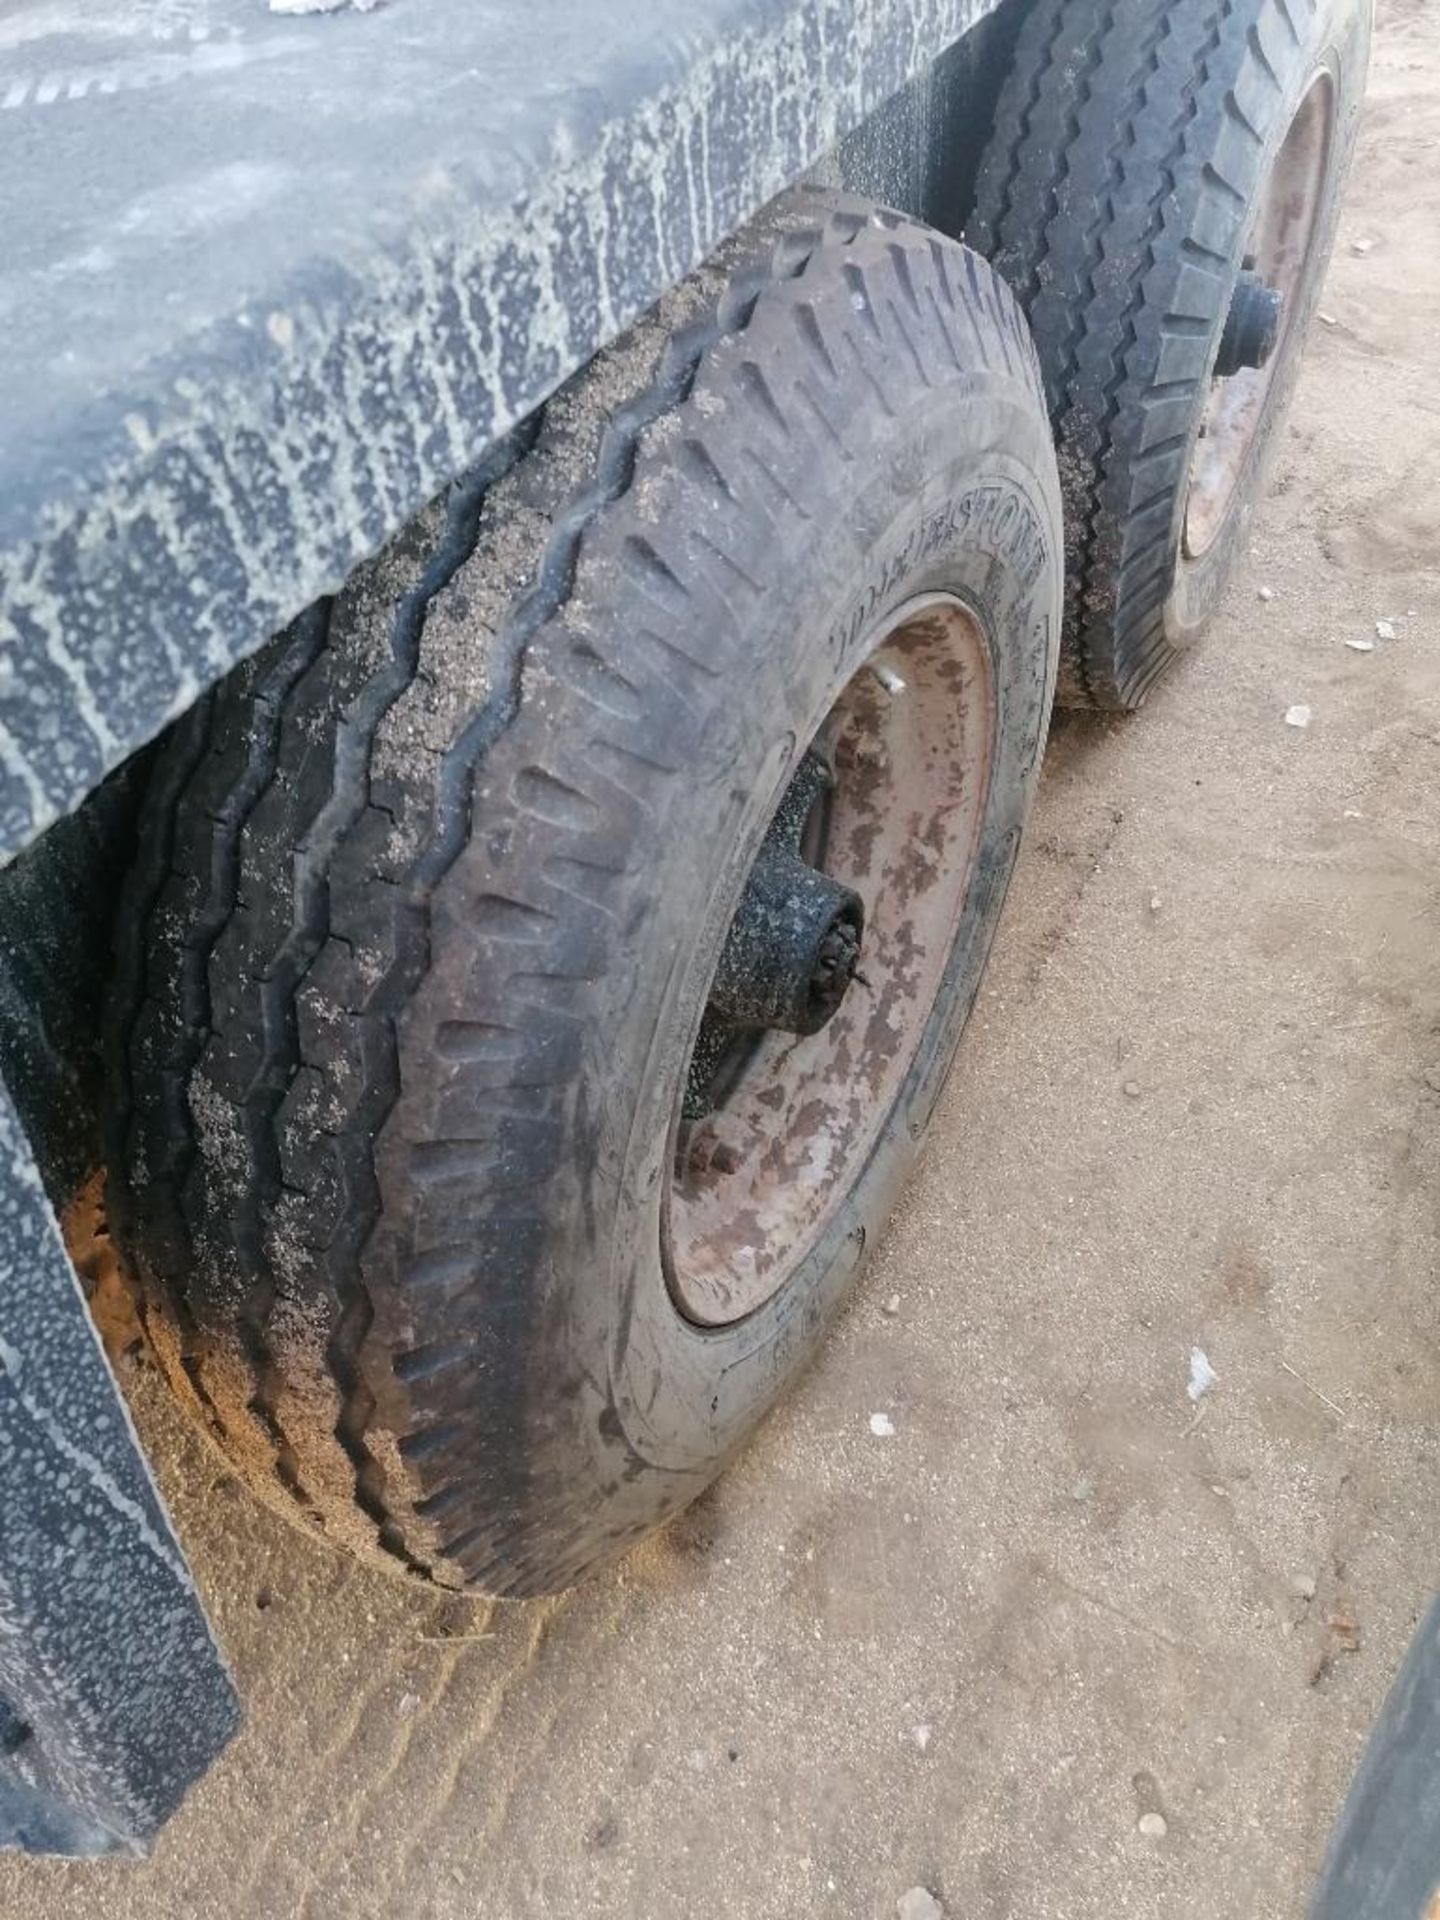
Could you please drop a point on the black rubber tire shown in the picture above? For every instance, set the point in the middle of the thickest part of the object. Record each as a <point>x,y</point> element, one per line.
<point>424,888</point>
<point>1129,148</point>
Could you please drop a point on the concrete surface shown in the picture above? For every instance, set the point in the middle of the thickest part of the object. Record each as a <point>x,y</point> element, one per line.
<point>1199,1105</point>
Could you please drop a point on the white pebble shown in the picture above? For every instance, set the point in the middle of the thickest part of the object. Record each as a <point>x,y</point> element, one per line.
<point>1202,1375</point>
<point>882,1426</point>
<point>1385,630</point>
<point>891,1304</point>
<point>1361,247</point>
<point>921,1737</point>
<point>1264,593</point>
<point>1153,1825</point>
<point>1361,646</point>
<point>919,1904</point>
<point>1328,320</point>
<point>1297,716</point>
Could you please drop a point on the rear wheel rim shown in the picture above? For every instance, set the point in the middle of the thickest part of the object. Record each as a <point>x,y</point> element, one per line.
<point>753,1184</point>
<point>1280,248</point>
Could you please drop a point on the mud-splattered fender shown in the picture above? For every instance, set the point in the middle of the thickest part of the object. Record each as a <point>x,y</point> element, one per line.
<point>268,282</point>
<point>113,1696</point>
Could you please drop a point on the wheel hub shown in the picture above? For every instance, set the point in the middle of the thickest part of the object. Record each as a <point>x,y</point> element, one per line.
<point>794,943</point>
<point>831,970</point>
<point>793,947</point>
<point>1252,326</point>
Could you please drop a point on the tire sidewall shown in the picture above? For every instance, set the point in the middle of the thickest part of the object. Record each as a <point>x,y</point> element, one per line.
<point>1338,45</point>
<point>681,1398</point>
<point>866,429</point>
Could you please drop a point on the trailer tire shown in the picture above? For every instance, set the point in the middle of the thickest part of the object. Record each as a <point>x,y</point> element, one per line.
<point>432,895</point>
<point>1139,155</point>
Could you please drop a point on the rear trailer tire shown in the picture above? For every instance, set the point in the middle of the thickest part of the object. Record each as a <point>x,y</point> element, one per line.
<point>1142,156</point>
<point>455,1217</point>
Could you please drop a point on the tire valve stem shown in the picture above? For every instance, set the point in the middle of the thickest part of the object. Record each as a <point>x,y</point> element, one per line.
<point>887,676</point>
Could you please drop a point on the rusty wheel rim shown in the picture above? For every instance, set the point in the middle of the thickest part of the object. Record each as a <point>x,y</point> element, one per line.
<point>1279,251</point>
<point>753,1183</point>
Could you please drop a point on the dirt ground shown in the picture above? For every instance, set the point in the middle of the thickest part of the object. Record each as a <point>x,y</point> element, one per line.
<point>1199,1106</point>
